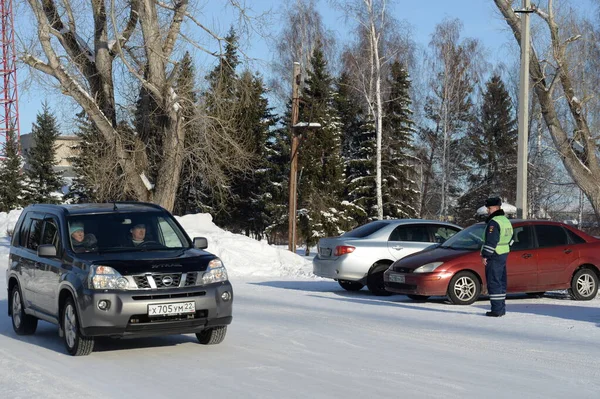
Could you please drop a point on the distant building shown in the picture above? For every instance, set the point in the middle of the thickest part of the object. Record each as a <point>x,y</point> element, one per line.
<point>65,149</point>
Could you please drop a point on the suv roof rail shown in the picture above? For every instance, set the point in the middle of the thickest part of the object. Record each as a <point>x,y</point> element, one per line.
<point>137,203</point>
<point>41,206</point>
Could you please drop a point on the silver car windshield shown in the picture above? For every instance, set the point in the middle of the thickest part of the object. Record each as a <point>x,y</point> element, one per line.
<point>123,232</point>
<point>469,238</point>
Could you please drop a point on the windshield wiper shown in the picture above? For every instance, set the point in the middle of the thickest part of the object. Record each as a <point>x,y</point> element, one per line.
<point>109,250</point>
<point>456,248</point>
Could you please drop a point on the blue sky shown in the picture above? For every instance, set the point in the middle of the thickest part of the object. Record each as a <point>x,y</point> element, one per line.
<point>480,18</point>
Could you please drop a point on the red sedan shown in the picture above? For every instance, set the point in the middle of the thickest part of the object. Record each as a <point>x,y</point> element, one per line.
<point>544,256</point>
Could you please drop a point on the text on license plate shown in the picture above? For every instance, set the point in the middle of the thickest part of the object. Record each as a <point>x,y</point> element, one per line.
<point>165,309</point>
<point>397,278</point>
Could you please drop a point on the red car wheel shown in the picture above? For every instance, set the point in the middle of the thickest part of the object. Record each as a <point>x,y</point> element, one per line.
<point>464,288</point>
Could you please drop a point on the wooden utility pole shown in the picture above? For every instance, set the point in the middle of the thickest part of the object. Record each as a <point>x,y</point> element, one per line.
<point>294,157</point>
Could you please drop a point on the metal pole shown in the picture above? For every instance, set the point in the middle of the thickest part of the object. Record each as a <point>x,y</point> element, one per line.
<point>523,115</point>
<point>580,216</point>
<point>294,158</point>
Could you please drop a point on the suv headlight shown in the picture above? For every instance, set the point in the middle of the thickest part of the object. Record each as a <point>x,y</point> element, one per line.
<point>105,277</point>
<point>215,273</point>
<point>428,268</point>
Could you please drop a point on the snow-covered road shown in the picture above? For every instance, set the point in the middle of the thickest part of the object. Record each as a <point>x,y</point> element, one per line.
<point>299,337</point>
<point>307,338</point>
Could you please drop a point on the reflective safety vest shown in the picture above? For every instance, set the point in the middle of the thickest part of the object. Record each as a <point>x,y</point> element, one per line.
<point>506,234</point>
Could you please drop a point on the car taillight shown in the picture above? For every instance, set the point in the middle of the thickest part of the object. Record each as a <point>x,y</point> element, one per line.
<point>343,249</point>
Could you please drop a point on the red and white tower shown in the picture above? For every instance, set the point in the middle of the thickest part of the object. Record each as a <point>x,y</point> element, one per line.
<point>9,108</point>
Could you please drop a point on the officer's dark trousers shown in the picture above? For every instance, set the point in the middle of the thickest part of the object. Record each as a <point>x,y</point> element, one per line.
<point>495,274</point>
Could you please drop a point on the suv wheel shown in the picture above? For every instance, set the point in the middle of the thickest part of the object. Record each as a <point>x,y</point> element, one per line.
<point>584,285</point>
<point>77,344</point>
<point>212,336</point>
<point>350,285</point>
<point>23,324</point>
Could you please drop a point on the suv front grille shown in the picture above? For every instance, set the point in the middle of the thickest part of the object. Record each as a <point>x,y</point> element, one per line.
<point>141,281</point>
<point>167,296</point>
<point>165,280</point>
<point>191,279</point>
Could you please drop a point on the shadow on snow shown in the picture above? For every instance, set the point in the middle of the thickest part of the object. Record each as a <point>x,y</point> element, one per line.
<point>526,305</point>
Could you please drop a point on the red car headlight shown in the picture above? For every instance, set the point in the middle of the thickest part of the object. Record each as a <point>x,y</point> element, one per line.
<point>428,268</point>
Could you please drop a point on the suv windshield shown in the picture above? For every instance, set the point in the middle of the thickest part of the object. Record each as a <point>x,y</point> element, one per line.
<point>469,238</point>
<point>136,231</point>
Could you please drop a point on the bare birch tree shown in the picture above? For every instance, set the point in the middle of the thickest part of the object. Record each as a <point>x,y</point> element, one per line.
<point>302,29</point>
<point>378,44</point>
<point>83,46</point>
<point>555,85</point>
<point>454,73</point>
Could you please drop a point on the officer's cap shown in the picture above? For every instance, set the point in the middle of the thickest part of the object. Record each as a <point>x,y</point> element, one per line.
<point>493,201</point>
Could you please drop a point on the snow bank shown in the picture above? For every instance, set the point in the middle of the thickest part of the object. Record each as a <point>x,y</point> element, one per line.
<point>8,221</point>
<point>243,256</point>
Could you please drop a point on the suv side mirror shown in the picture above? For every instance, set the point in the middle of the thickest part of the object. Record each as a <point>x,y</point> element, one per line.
<point>46,251</point>
<point>200,243</point>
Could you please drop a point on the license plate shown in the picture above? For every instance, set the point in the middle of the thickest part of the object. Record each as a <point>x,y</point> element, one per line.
<point>397,278</point>
<point>167,309</point>
<point>325,251</point>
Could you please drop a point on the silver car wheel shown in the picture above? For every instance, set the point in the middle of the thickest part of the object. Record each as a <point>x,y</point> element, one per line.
<point>16,309</point>
<point>586,285</point>
<point>70,326</point>
<point>464,288</point>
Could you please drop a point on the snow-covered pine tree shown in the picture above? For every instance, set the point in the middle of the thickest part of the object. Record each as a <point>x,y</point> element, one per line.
<point>82,188</point>
<point>358,150</point>
<point>320,165</point>
<point>220,101</point>
<point>187,198</point>
<point>222,79</point>
<point>251,191</point>
<point>12,182</point>
<point>492,150</point>
<point>97,177</point>
<point>400,195</point>
<point>46,182</point>
<point>277,152</point>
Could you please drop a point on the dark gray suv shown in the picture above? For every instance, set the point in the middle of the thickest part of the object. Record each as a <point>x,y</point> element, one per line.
<point>124,269</point>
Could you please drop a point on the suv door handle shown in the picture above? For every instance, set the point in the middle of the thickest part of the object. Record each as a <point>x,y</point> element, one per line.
<point>398,248</point>
<point>526,256</point>
<point>568,250</point>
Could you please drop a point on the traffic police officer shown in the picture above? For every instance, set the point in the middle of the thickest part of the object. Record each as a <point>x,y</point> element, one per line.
<point>496,246</point>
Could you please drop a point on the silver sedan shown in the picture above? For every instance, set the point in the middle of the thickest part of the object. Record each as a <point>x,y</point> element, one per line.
<point>359,257</point>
